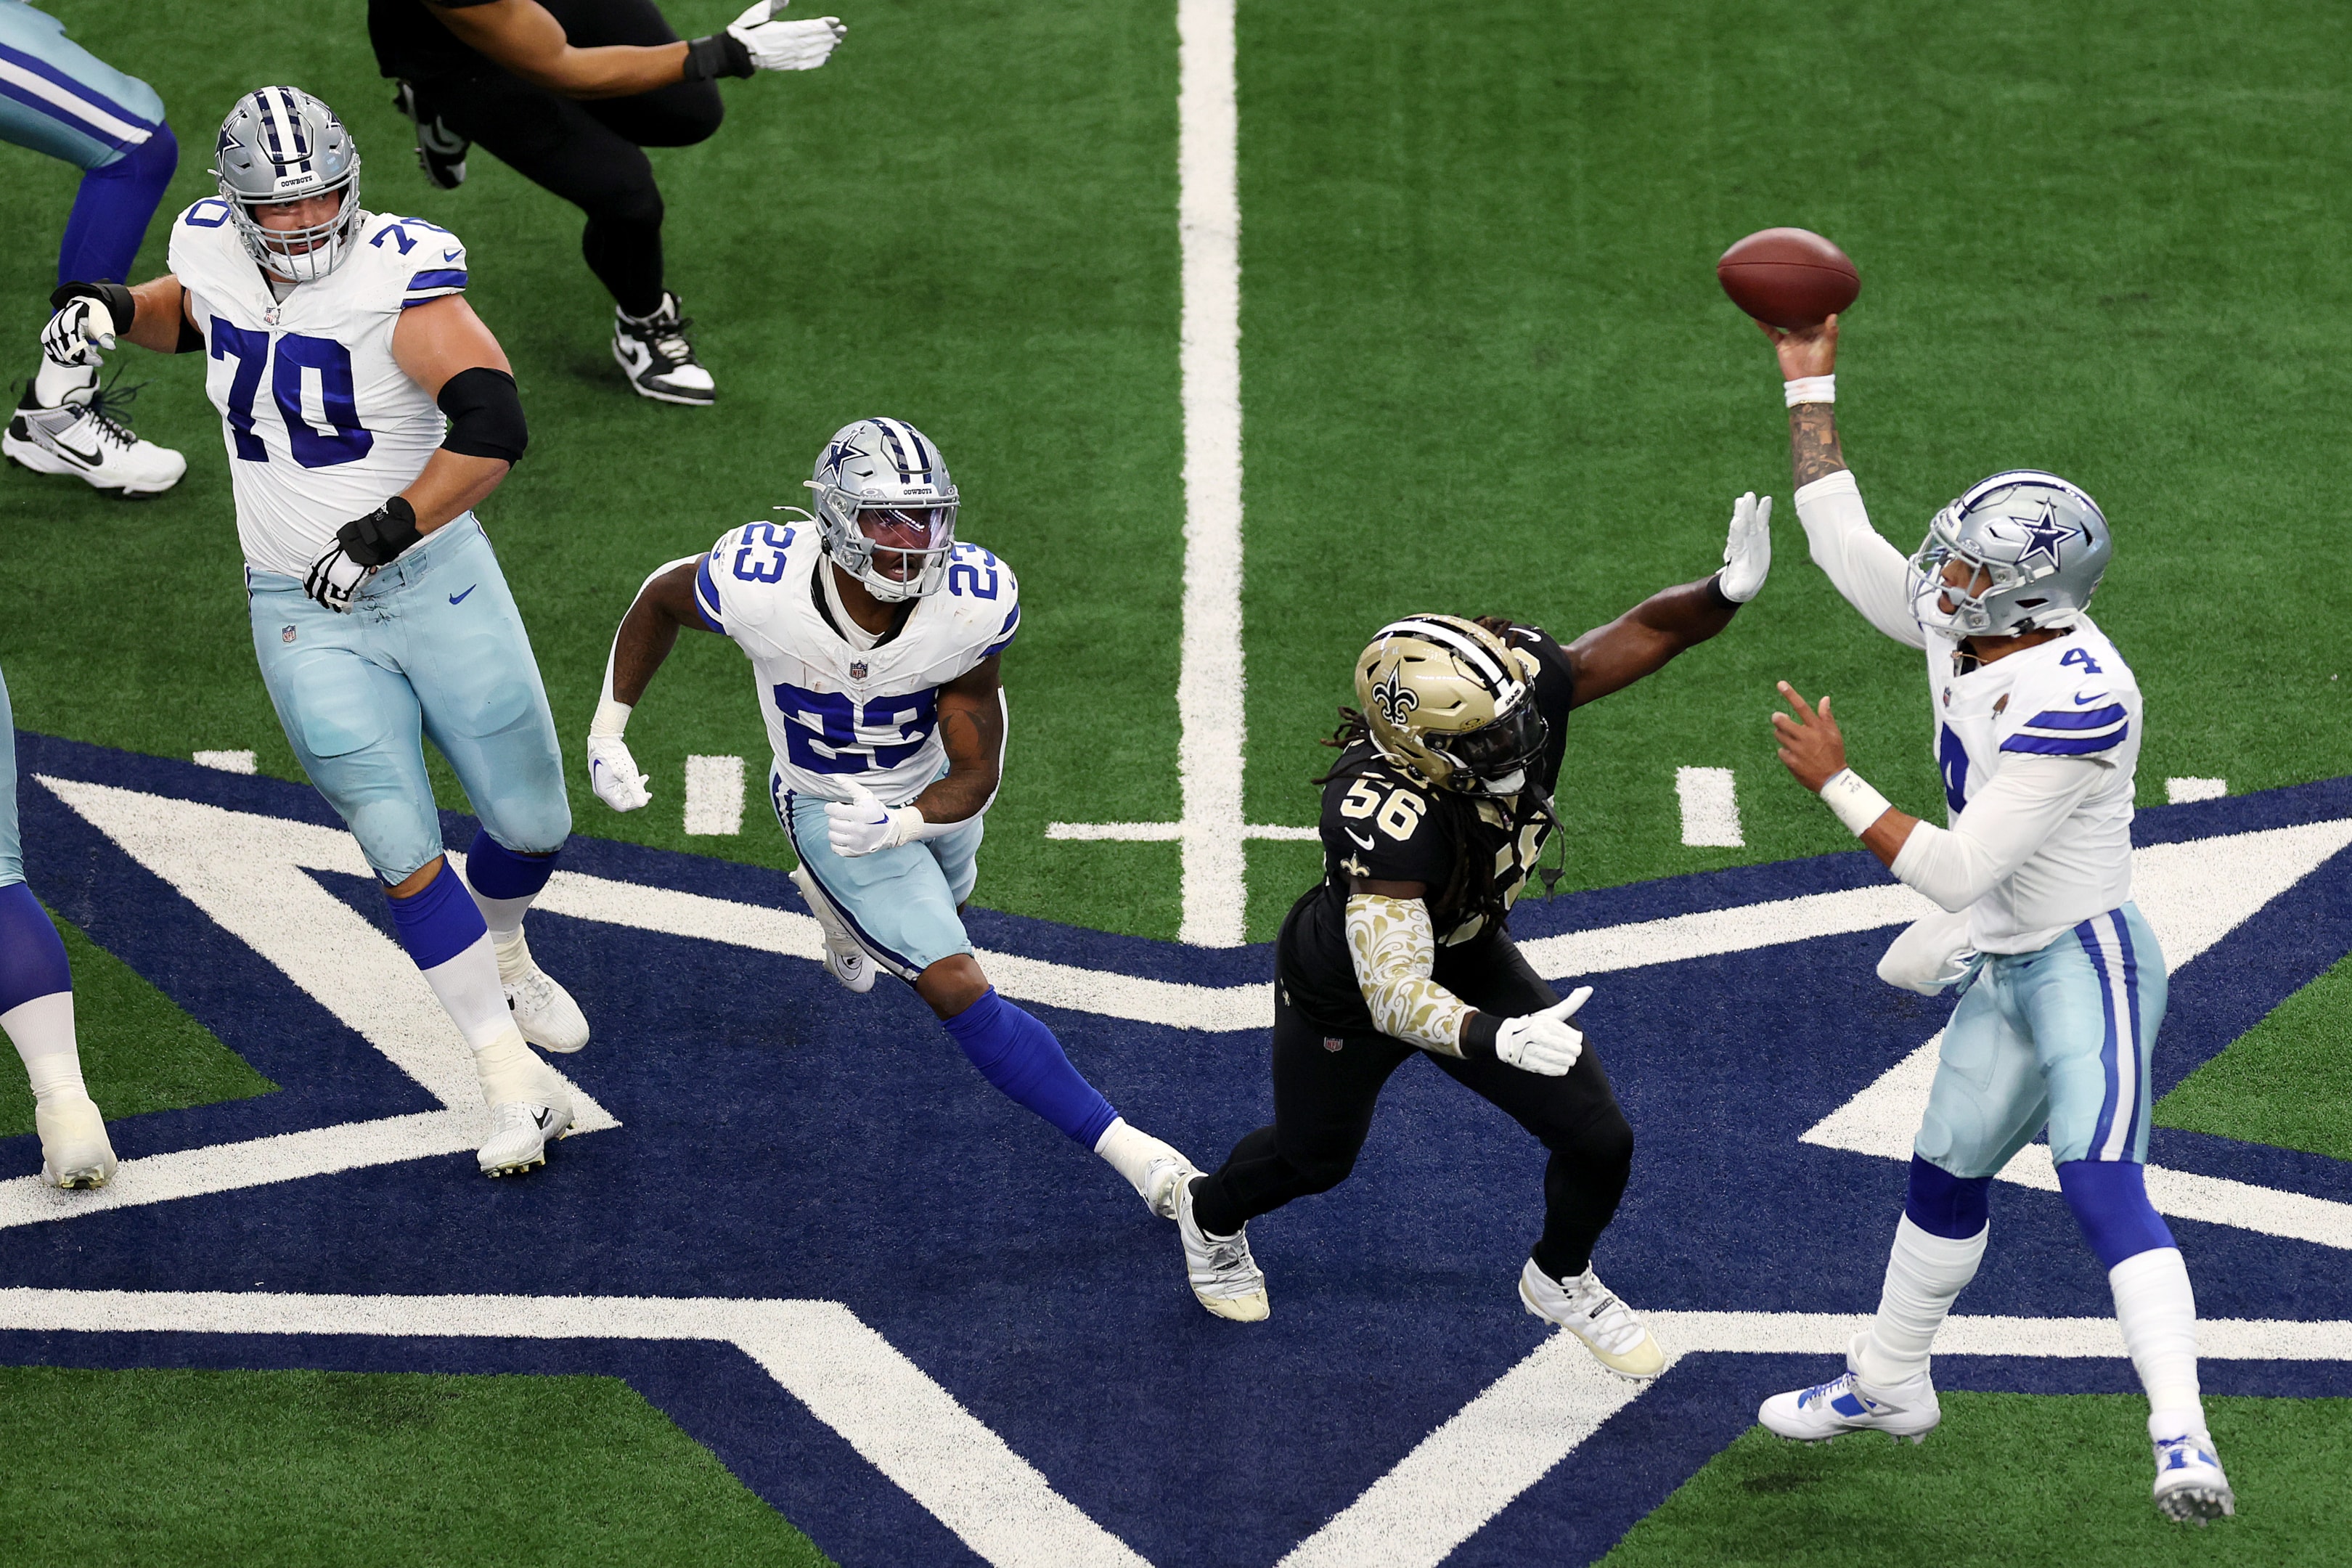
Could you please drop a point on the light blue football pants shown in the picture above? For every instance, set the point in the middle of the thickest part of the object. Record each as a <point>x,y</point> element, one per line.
<point>2062,1036</point>
<point>900,902</point>
<point>12,847</point>
<point>431,648</point>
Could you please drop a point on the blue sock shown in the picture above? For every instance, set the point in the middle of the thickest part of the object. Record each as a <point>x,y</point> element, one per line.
<point>438,923</point>
<point>112,210</point>
<point>1954,1207</point>
<point>2109,1198</point>
<point>1020,1055</point>
<point>32,956</point>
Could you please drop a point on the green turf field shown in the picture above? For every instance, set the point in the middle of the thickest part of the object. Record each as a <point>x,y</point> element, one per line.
<point>1485,368</point>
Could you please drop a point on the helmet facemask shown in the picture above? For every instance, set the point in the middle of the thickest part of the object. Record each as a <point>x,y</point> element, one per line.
<point>1494,759</point>
<point>300,254</point>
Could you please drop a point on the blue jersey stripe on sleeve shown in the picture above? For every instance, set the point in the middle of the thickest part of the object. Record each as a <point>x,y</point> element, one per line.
<point>439,278</point>
<point>2071,746</point>
<point>1005,634</point>
<point>706,596</point>
<point>2075,719</point>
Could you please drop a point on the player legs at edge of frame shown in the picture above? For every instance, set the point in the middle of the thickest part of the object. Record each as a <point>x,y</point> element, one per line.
<point>2062,986</point>
<point>876,638</point>
<point>1437,813</point>
<point>36,1006</point>
<point>110,126</point>
<point>396,627</point>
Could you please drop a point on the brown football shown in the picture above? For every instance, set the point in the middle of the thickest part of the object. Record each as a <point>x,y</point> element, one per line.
<point>1789,276</point>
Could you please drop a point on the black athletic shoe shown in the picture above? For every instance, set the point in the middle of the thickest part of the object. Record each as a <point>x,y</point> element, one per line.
<point>440,152</point>
<point>659,357</point>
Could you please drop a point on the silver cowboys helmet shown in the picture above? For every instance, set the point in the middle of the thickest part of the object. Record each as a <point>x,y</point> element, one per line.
<point>2034,547</point>
<point>280,145</point>
<point>886,508</point>
<point>1446,697</point>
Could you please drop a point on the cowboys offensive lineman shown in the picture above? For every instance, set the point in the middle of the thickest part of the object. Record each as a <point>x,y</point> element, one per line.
<point>874,637</point>
<point>2062,986</point>
<point>338,340</point>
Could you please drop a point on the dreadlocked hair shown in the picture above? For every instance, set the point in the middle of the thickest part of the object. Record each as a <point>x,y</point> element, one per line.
<point>1469,890</point>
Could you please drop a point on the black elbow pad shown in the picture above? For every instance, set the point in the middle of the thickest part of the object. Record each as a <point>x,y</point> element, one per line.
<point>485,415</point>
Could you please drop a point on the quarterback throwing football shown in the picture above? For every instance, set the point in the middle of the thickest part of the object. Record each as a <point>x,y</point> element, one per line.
<point>1436,812</point>
<point>2062,986</point>
<point>875,637</point>
<point>366,409</point>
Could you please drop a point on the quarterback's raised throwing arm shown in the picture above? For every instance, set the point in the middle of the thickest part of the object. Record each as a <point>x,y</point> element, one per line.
<point>2063,987</point>
<point>875,637</point>
<point>366,410</point>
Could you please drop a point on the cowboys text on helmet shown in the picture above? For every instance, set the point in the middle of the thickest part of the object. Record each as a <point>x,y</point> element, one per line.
<point>2034,548</point>
<point>280,146</point>
<point>1444,697</point>
<point>886,508</point>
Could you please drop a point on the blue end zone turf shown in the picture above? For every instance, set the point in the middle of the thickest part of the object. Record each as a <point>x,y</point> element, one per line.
<point>783,1139</point>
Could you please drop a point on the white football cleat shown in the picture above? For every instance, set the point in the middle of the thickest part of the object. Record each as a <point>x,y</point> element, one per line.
<point>75,1153</point>
<point>845,959</point>
<point>659,357</point>
<point>520,1134</point>
<point>1224,1275</point>
<point>2190,1486</point>
<point>1591,1311</point>
<point>1847,1404</point>
<point>85,436</point>
<point>1161,1178</point>
<point>543,1010</point>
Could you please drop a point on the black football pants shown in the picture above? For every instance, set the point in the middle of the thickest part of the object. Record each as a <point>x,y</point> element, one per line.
<point>587,150</point>
<point>1323,1102</point>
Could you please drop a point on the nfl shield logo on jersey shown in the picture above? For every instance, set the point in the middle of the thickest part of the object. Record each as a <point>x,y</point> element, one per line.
<point>857,669</point>
<point>286,636</point>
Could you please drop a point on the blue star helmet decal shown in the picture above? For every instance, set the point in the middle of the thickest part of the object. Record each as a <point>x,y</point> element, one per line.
<point>2044,535</point>
<point>837,454</point>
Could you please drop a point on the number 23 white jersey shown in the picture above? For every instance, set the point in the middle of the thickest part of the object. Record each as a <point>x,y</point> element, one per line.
<point>321,423</point>
<point>834,712</point>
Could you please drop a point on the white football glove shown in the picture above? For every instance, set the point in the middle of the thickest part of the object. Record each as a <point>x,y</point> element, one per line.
<point>1747,553</point>
<point>1546,1042</point>
<point>334,578</point>
<point>613,774</point>
<point>79,332</point>
<point>786,46</point>
<point>862,825</point>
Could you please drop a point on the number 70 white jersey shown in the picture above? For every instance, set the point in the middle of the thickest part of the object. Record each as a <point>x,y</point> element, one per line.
<point>321,424</point>
<point>834,712</point>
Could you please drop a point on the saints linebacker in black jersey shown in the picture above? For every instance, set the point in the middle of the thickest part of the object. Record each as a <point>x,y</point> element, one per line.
<point>1435,814</point>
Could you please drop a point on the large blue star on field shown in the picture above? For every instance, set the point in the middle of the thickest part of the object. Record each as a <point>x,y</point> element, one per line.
<point>931,1330</point>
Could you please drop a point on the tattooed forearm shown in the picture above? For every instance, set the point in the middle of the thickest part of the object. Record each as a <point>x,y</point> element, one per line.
<point>974,737</point>
<point>1814,442</point>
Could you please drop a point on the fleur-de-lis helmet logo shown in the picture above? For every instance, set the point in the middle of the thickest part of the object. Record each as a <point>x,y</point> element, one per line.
<point>1394,698</point>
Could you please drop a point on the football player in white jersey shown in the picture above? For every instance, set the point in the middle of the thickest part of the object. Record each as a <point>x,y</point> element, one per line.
<point>366,410</point>
<point>874,637</point>
<point>2062,986</point>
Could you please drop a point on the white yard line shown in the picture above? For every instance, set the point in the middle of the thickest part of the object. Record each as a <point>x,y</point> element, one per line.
<point>1710,807</point>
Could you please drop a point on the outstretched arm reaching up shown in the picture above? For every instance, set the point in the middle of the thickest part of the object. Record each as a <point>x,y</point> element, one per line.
<point>1640,641</point>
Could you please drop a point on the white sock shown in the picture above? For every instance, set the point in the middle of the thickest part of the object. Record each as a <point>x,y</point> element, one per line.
<point>469,987</point>
<point>503,916</point>
<point>1924,1275</point>
<point>56,384</point>
<point>2158,1311</point>
<point>43,1033</point>
<point>1129,1150</point>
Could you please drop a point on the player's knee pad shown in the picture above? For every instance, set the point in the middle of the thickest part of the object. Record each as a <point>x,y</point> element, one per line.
<point>1957,1207</point>
<point>2109,1198</point>
<point>534,822</point>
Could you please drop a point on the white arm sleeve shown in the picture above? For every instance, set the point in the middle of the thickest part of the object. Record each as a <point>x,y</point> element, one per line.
<point>1999,830</point>
<point>1874,576</point>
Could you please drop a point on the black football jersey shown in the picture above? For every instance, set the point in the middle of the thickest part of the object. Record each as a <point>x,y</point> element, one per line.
<point>1384,823</point>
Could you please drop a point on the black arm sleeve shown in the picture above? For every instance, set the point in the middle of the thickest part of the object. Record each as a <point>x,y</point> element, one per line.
<point>191,340</point>
<point>117,300</point>
<point>485,415</point>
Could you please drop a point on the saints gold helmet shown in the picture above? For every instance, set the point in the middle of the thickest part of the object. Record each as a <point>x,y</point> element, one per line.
<point>1447,699</point>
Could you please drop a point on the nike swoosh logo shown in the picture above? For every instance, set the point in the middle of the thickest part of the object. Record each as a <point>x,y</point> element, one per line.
<point>448,256</point>
<point>1360,842</point>
<point>2081,701</point>
<point>545,1119</point>
<point>460,598</point>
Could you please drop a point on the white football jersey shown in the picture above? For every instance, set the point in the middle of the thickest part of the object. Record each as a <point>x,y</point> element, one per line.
<point>2071,697</point>
<point>321,424</point>
<point>834,712</point>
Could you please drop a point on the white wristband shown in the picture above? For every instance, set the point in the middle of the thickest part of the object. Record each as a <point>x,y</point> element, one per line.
<point>1855,803</point>
<point>1810,389</point>
<point>611,721</point>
